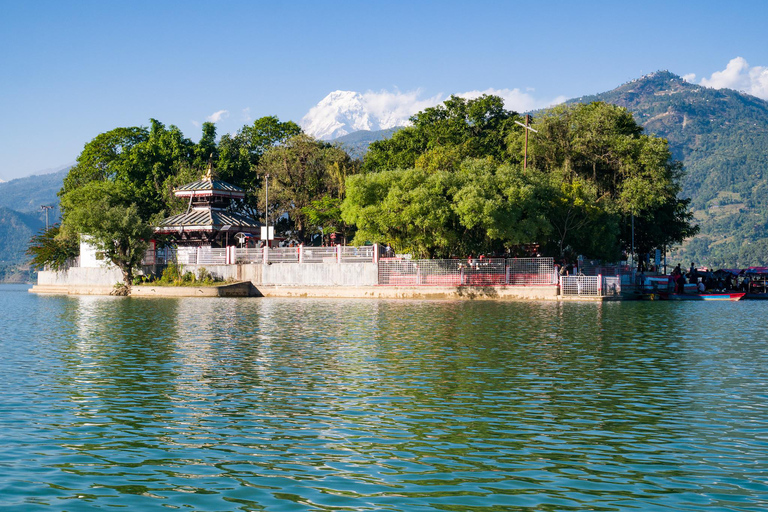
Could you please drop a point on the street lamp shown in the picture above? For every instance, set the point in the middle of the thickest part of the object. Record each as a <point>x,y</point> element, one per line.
<point>266,205</point>
<point>45,208</point>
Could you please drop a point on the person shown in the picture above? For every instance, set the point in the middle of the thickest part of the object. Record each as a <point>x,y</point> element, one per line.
<point>677,270</point>
<point>681,283</point>
<point>701,286</point>
<point>745,284</point>
<point>388,252</point>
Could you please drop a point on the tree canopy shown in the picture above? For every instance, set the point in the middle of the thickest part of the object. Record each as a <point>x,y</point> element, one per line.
<point>453,182</point>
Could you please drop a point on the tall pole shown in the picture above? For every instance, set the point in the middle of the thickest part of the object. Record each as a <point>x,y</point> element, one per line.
<point>45,208</point>
<point>527,124</point>
<point>266,204</point>
<point>528,128</point>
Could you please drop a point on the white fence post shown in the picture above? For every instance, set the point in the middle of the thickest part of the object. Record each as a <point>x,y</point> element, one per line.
<point>338,254</point>
<point>375,253</point>
<point>301,253</point>
<point>265,257</point>
<point>599,284</point>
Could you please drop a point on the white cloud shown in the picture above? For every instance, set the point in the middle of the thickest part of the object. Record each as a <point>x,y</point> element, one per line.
<point>196,124</point>
<point>390,107</point>
<point>740,76</point>
<point>515,99</point>
<point>690,77</point>
<point>401,105</point>
<point>218,116</point>
<point>343,112</point>
<point>247,114</point>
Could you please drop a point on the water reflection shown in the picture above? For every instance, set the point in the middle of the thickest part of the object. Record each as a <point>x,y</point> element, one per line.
<point>397,405</point>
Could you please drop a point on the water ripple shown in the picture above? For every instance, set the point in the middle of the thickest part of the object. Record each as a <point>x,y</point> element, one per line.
<point>309,405</point>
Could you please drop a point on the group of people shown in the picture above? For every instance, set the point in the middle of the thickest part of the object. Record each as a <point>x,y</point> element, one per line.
<point>707,281</point>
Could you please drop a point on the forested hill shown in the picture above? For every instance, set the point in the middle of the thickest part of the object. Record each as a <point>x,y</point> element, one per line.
<point>722,138</point>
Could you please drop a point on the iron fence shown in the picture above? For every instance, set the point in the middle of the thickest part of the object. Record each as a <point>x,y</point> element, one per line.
<point>611,285</point>
<point>211,256</point>
<point>249,255</point>
<point>350,253</point>
<point>531,271</point>
<point>580,285</point>
<point>186,255</point>
<point>475,272</point>
<point>283,255</point>
<point>317,255</point>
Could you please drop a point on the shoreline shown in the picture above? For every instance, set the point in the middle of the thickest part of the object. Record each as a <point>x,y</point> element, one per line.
<point>547,293</point>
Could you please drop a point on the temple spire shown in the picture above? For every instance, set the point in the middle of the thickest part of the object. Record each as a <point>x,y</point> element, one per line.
<point>209,173</point>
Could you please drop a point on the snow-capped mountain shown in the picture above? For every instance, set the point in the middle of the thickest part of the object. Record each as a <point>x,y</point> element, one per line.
<point>344,112</point>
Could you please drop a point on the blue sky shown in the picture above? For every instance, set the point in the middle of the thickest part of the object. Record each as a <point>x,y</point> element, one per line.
<point>71,70</point>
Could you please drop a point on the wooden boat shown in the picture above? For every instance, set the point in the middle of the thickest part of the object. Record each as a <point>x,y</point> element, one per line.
<point>701,296</point>
<point>756,296</point>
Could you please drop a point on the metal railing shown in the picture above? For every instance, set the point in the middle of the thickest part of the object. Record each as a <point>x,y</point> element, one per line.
<point>317,255</point>
<point>249,255</point>
<point>476,272</point>
<point>611,285</point>
<point>590,286</point>
<point>350,253</point>
<point>284,255</point>
<point>211,256</point>
<point>531,271</point>
<point>580,285</point>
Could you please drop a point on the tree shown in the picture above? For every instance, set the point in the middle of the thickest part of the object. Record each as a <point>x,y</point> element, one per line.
<point>103,211</point>
<point>483,207</point>
<point>51,248</point>
<point>303,170</point>
<point>600,148</point>
<point>143,160</point>
<point>239,156</point>
<point>474,128</point>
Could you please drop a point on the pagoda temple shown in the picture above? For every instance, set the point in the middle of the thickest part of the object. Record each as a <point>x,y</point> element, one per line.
<point>210,219</point>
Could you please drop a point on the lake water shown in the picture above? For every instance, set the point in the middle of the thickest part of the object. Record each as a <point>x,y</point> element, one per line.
<point>345,405</point>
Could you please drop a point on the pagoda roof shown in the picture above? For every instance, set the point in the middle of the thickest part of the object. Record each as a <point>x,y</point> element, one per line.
<point>207,219</point>
<point>210,187</point>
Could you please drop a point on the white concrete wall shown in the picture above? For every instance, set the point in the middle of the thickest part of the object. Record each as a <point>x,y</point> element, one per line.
<point>88,256</point>
<point>80,276</point>
<point>320,274</point>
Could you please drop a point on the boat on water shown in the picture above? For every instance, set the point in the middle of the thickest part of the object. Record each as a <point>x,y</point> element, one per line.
<point>702,296</point>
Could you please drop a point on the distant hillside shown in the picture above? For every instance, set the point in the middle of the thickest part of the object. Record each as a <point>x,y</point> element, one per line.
<point>356,143</point>
<point>15,231</point>
<point>26,195</point>
<point>722,138</point>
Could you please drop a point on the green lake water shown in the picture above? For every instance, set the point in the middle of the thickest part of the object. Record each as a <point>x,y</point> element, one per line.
<point>345,405</point>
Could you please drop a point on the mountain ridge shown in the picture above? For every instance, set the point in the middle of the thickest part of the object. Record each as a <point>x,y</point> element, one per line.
<point>721,136</point>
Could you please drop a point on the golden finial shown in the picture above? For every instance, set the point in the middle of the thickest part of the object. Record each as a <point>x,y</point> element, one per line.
<point>209,174</point>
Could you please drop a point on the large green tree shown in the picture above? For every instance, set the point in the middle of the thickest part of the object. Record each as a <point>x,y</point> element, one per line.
<point>591,168</point>
<point>239,155</point>
<point>482,207</point>
<point>304,171</point>
<point>446,134</point>
<point>105,213</point>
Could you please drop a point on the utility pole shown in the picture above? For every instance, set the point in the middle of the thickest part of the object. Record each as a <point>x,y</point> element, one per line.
<point>45,208</point>
<point>528,128</point>
<point>266,204</point>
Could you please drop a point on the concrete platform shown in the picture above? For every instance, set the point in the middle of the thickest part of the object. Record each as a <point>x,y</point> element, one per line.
<point>242,289</point>
<point>414,292</point>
